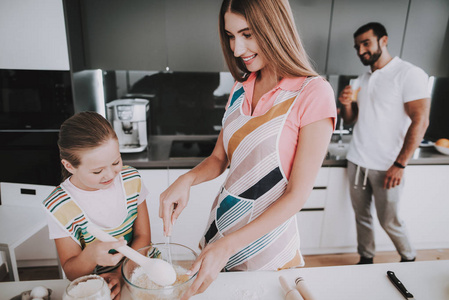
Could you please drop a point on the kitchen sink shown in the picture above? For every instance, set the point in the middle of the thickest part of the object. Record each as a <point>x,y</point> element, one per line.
<point>338,149</point>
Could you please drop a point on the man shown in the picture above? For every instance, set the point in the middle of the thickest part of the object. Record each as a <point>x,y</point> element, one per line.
<point>391,114</point>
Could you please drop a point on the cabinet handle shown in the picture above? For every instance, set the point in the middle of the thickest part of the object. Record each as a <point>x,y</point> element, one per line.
<point>312,209</point>
<point>320,187</point>
<point>27,192</point>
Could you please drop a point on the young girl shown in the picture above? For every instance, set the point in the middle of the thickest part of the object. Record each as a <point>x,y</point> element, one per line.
<point>96,189</point>
<point>276,129</point>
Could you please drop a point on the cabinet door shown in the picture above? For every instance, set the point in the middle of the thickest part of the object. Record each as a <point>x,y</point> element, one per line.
<point>426,37</point>
<point>425,206</point>
<point>156,182</point>
<point>192,222</point>
<point>339,222</point>
<point>310,218</point>
<point>32,35</point>
<point>310,225</point>
<point>348,16</point>
<point>312,20</point>
<point>193,42</point>
<point>122,35</point>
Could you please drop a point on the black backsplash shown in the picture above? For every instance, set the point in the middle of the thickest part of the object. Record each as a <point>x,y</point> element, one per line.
<point>183,103</point>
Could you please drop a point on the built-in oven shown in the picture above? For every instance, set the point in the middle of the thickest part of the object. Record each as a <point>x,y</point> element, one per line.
<point>33,105</point>
<point>34,99</point>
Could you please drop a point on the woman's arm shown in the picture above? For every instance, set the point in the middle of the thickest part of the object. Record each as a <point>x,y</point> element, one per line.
<point>174,199</point>
<point>312,148</point>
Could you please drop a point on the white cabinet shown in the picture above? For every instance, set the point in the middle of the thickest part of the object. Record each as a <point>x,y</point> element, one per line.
<point>423,207</point>
<point>310,218</point>
<point>192,222</point>
<point>326,223</point>
<point>339,222</point>
<point>156,181</point>
<point>33,35</point>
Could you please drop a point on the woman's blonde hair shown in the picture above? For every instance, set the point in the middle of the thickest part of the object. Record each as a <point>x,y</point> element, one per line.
<point>273,27</point>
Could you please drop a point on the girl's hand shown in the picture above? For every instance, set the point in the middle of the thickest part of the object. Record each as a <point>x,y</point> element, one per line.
<point>173,201</point>
<point>208,264</point>
<point>114,280</point>
<point>99,252</point>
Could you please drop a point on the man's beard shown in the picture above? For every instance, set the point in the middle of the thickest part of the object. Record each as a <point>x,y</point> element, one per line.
<point>372,57</point>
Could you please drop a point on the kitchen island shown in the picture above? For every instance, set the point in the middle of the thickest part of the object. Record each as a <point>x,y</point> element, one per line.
<point>427,280</point>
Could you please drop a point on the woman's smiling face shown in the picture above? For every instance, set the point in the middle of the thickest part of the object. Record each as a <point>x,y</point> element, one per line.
<point>242,42</point>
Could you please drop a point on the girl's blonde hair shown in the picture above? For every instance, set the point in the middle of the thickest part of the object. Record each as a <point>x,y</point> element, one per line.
<point>83,131</point>
<point>273,27</point>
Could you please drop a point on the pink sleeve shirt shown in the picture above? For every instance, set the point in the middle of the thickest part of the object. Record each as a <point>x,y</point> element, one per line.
<point>316,102</point>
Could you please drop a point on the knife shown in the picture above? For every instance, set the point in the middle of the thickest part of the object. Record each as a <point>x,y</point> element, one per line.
<point>399,285</point>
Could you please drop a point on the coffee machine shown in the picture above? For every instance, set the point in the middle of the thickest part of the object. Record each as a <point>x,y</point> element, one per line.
<point>129,119</point>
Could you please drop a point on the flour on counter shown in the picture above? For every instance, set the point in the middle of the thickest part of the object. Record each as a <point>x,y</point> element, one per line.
<point>243,294</point>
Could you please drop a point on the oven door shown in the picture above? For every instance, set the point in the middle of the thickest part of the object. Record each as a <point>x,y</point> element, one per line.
<point>34,99</point>
<point>30,157</point>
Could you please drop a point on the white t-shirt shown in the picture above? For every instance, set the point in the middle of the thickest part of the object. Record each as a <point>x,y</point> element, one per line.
<point>106,208</point>
<point>382,122</point>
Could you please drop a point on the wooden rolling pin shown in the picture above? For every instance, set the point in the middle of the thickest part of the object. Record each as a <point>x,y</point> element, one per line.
<point>290,292</point>
<point>303,290</point>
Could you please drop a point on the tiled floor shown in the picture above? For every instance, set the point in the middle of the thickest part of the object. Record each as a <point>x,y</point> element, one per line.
<point>42,273</point>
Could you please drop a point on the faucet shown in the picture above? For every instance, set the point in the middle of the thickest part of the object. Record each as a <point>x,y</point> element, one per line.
<point>340,138</point>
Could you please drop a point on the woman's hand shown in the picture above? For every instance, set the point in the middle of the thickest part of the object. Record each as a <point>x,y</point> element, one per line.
<point>173,201</point>
<point>98,252</point>
<point>208,265</point>
<point>114,280</point>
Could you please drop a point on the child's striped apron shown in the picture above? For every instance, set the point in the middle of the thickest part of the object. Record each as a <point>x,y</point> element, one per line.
<point>67,212</point>
<point>255,181</point>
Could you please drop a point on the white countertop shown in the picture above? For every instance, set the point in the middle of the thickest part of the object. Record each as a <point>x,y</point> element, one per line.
<point>427,280</point>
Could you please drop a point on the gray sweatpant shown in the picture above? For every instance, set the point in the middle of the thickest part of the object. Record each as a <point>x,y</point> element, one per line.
<point>386,202</point>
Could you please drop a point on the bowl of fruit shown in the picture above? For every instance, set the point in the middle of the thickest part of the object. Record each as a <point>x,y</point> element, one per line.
<point>442,146</point>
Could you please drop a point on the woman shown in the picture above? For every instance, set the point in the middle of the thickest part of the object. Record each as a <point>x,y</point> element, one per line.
<point>276,129</point>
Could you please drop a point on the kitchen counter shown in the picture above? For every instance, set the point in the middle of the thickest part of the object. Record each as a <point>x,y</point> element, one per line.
<point>425,280</point>
<point>159,153</point>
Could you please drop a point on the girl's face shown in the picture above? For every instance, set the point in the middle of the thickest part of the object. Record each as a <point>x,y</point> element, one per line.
<point>242,42</point>
<point>98,167</point>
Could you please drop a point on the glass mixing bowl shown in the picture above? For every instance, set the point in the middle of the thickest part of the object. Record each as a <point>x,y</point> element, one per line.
<point>140,287</point>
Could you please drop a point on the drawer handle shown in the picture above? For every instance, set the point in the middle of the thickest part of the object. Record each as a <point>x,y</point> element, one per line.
<point>27,192</point>
<point>312,209</point>
<point>320,187</point>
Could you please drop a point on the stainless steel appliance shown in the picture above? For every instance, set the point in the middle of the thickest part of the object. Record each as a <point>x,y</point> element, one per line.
<point>129,119</point>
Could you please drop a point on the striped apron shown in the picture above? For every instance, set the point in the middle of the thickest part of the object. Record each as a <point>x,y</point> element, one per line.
<point>255,181</point>
<point>73,219</point>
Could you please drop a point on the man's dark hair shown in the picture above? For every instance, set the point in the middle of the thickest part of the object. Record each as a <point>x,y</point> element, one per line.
<point>378,30</point>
